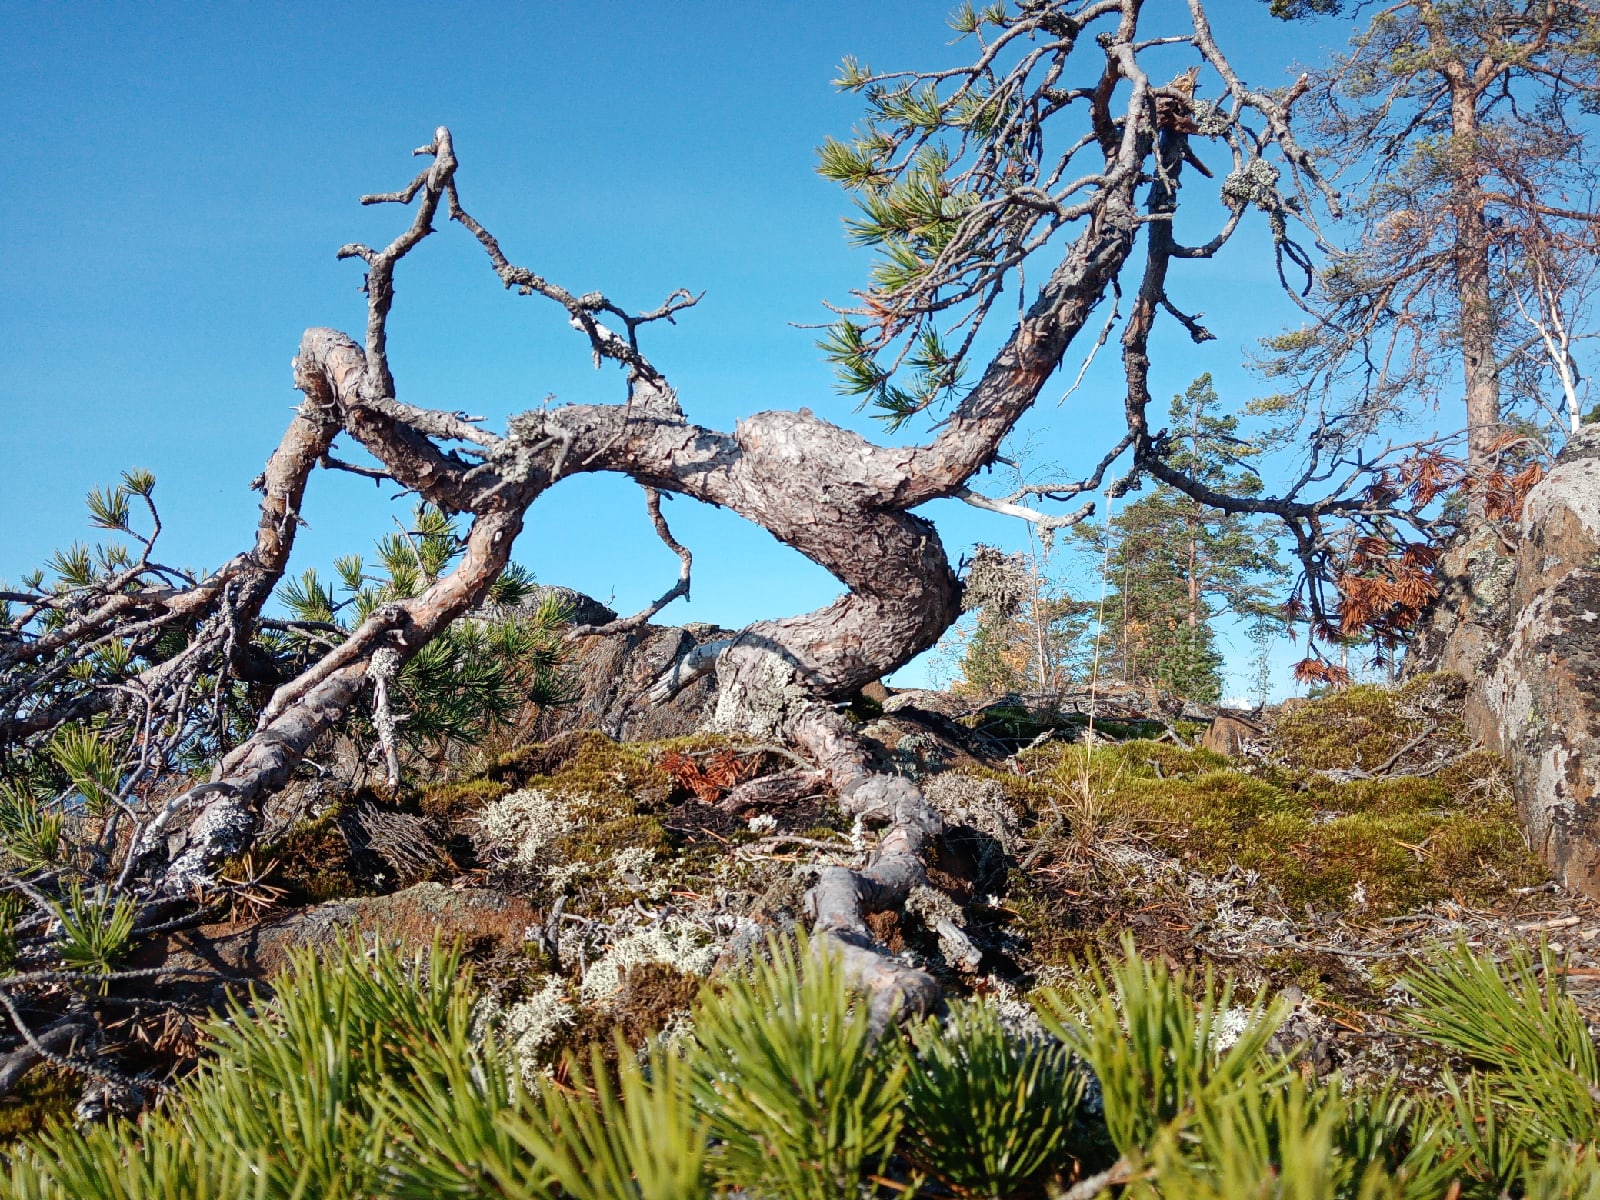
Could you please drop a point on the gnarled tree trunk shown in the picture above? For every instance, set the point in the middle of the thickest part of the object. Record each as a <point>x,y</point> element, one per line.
<point>835,497</point>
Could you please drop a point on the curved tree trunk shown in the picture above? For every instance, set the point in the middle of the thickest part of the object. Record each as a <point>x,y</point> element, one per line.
<point>827,492</point>
<point>824,490</point>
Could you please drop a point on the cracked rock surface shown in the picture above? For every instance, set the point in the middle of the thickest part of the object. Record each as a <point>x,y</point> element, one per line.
<point>1524,628</point>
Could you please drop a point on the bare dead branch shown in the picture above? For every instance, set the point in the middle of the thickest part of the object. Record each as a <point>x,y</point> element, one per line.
<point>652,500</point>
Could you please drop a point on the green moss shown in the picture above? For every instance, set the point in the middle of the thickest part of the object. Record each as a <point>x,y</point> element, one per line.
<point>1210,809</point>
<point>1394,796</point>
<point>1381,846</point>
<point>586,764</point>
<point>1324,976</point>
<point>652,994</point>
<point>452,801</point>
<point>823,833</point>
<point>1361,727</point>
<point>1055,763</point>
<point>1163,760</point>
<point>42,1096</point>
<point>1376,846</point>
<point>597,843</point>
<point>1130,730</point>
<point>1475,777</point>
<point>607,779</point>
<point>1397,862</point>
<point>1038,916</point>
<point>1300,967</point>
<point>1016,721</point>
<point>315,863</point>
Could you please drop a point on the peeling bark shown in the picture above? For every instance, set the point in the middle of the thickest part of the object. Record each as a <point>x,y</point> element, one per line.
<point>220,818</point>
<point>228,602</point>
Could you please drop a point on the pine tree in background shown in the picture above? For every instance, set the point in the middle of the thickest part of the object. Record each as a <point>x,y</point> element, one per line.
<point>1173,563</point>
<point>1265,628</point>
<point>1464,130</point>
<point>1039,649</point>
<point>1030,637</point>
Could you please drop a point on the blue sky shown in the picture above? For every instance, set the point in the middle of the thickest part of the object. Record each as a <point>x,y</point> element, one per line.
<point>181,175</point>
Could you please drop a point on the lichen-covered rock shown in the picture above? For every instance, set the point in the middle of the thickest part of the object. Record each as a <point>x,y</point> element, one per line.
<point>484,921</point>
<point>1465,626</point>
<point>1536,696</point>
<point>919,743</point>
<point>613,674</point>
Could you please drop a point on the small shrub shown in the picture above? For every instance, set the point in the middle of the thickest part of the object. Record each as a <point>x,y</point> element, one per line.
<point>1267,1141</point>
<point>801,1097</point>
<point>600,1139</point>
<point>28,833</point>
<point>1155,1042</point>
<point>987,1110</point>
<point>1528,1043</point>
<point>287,1102</point>
<point>364,1079</point>
<point>94,933</point>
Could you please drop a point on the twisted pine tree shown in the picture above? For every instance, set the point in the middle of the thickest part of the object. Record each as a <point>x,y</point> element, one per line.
<point>1057,148</point>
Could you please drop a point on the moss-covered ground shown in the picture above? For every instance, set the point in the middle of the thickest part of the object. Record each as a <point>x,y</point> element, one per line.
<point>1308,827</point>
<point>42,1096</point>
<point>1374,847</point>
<point>1362,824</point>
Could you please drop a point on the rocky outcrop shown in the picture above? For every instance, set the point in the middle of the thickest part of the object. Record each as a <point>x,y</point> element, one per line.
<point>1232,733</point>
<point>483,921</point>
<point>612,674</point>
<point>1526,635</point>
<point>1466,625</point>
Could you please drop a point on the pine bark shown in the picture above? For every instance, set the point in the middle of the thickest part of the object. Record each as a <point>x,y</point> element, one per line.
<point>1480,368</point>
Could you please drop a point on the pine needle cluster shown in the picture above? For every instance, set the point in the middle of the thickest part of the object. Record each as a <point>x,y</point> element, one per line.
<point>370,1076</point>
<point>475,675</point>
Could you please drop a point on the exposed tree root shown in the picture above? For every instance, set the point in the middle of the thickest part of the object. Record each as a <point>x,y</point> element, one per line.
<point>56,1039</point>
<point>841,899</point>
<point>785,787</point>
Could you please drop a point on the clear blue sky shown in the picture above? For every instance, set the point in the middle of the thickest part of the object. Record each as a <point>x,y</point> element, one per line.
<point>181,175</point>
